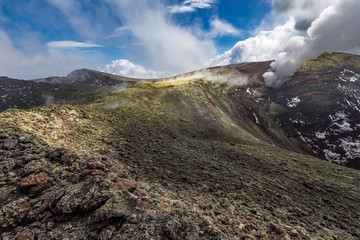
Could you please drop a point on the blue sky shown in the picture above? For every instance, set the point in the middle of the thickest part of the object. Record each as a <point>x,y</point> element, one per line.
<point>99,28</point>
<point>49,23</point>
<point>154,38</point>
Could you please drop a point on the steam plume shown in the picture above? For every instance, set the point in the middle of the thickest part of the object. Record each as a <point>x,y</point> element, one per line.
<point>313,27</point>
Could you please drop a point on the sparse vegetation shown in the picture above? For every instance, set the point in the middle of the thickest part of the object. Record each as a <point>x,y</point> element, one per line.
<point>171,160</point>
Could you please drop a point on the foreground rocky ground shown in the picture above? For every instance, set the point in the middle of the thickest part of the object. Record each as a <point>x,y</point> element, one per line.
<point>52,193</point>
<point>148,181</point>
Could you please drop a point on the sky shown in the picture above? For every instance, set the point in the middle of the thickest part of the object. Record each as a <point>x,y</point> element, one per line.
<point>157,38</point>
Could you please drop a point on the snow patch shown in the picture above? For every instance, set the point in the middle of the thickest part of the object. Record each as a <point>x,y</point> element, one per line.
<point>344,126</point>
<point>349,76</point>
<point>293,102</point>
<point>339,116</point>
<point>297,121</point>
<point>320,135</point>
<point>351,147</point>
<point>256,119</point>
<point>305,139</point>
<point>340,120</point>
<point>331,156</point>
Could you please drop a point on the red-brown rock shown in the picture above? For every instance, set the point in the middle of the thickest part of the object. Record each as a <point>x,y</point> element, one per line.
<point>275,229</point>
<point>34,181</point>
<point>126,184</point>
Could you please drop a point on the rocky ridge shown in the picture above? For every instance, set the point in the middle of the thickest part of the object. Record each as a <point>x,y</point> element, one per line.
<point>323,107</point>
<point>53,193</point>
<point>89,77</point>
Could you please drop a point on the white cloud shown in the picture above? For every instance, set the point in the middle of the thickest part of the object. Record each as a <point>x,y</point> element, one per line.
<point>312,27</point>
<point>168,47</point>
<point>71,44</point>
<point>118,32</point>
<point>181,9</point>
<point>222,28</point>
<point>191,6</point>
<point>200,3</point>
<point>264,46</point>
<point>19,64</point>
<point>126,68</point>
<point>337,28</point>
<point>302,11</point>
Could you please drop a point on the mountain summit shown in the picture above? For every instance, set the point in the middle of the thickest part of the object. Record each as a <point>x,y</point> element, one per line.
<point>211,154</point>
<point>88,76</point>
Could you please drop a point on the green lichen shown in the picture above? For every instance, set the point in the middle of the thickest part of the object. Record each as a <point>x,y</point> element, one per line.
<point>331,61</point>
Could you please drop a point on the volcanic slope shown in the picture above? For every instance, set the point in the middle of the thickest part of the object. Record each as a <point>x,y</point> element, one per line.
<point>181,158</point>
<point>320,105</point>
<point>78,87</point>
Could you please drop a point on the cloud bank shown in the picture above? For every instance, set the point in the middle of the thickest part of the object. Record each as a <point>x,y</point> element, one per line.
<point>221,28</point>
<point>150,31</point>
<point>312,27</point>
<point>168,47</point>
<point>19,64</point>
<point>71,44</point>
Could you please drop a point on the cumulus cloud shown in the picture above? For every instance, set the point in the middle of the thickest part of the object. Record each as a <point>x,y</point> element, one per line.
<point>126,68</point>
<point>19,64</point>
<point>167,46</point>
<point>304,12</point>
<point>312,27</point>
<point>337,28</point>
<point>221,28</point>
<point>264,46</point>
<point>191,6</point>
<point>71,44</point>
